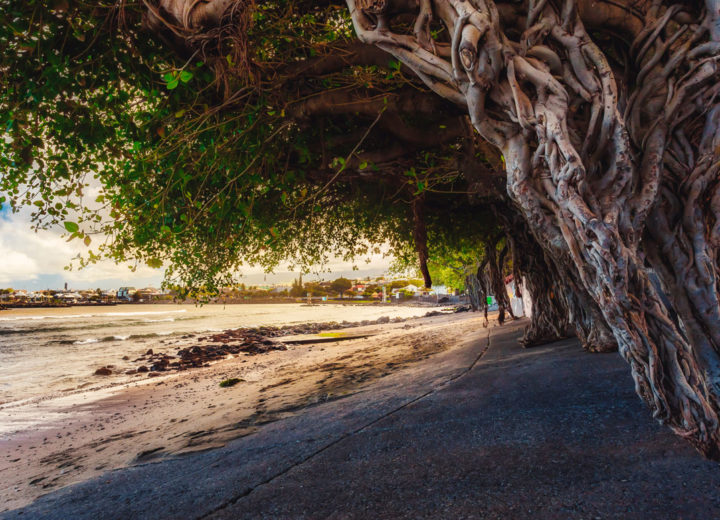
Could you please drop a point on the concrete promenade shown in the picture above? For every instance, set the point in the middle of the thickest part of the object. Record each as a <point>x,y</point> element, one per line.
<point>485,430</point>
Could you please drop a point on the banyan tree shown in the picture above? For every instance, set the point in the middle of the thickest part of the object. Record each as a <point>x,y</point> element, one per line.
<point>590,128</point>
<point>606,115</point>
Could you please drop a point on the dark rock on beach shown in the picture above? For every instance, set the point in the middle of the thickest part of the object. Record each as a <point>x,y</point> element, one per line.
<point>248,341</point>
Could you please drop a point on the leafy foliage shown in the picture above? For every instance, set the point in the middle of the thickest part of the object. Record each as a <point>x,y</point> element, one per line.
<point>149,155</point>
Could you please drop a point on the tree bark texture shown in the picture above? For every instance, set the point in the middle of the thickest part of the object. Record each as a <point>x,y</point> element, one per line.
<point>610,145</point>
<point>602,150</point>
<point>494,279</point>
<point>561,306</point>
<point>476,293</point>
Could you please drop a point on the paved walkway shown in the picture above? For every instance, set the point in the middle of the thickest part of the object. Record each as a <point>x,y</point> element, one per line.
<point>488,430</point>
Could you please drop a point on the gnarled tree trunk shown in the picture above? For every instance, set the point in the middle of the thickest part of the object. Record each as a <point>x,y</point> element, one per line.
<point>560,305</point>
<point>476,293</point>
<point>490,274</point>
<point>611,157</point>
<point>594,143</point>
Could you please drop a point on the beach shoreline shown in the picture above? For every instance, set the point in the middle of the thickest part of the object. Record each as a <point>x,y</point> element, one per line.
<point>6,306</point>
<point>84,434</point>
<point>49,352</point>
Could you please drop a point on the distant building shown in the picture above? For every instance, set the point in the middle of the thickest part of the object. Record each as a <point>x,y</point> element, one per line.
<point>147,293</point>
<point>70,297</point>
<point>408,289</point>
<point>39,296</point>
<point>125,293</point>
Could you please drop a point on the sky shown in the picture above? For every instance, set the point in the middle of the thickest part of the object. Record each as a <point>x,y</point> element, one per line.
<point>36,260</point>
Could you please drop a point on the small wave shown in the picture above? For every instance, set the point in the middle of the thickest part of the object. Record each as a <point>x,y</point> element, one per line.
<point>46,330</point>
<point>143,313</point>
<point>158,321</point>
<point>91,315</point>
<point>107,339</point>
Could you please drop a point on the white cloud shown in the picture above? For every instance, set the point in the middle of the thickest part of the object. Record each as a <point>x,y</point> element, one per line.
<point>27,255</point>
<point>14,264</point>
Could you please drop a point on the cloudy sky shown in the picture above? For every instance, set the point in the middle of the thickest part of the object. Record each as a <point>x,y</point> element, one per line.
<point>30,260</point>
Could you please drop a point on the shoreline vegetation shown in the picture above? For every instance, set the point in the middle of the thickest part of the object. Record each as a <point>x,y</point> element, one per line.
<point>339,291</point>
<point>60,440</point>
<point>225,301</point>
<point>238,301</point>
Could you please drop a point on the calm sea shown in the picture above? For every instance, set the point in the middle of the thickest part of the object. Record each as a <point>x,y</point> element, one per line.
<point>48,352</point>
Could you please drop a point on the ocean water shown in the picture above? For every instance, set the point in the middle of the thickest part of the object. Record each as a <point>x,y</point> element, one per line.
<point>49,352</point>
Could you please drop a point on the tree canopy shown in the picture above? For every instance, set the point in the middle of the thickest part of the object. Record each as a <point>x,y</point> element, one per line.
<point>205,161</point>
<point>574,142</point>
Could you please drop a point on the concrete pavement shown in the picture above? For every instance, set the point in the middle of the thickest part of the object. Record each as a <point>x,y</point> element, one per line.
<point>486,430</point>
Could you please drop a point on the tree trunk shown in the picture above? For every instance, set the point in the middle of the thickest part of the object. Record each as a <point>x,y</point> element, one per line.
<point>561,306</point>
<point>589,157</point>
<point>494,280</point>
<point>600,148</point>
<point>420,238</point>
<point>474,291</point>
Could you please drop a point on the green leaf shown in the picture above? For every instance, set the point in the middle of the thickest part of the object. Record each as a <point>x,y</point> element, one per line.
<point>87,240</point>
<point>72,227</point>
<point>172,84</point>
<point>185,76</point>
<point>363,165</point>
<point>155,263</point>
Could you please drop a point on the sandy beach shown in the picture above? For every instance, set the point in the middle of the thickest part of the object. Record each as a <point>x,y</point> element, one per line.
<point>89,433</point>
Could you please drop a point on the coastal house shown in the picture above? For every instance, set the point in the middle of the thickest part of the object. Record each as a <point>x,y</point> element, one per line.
<point>40,296</point>
<point>410,288</point>
<point>148,293</point>
<point>441,290</point>
<point>435,290</point>
<point>125,293</point>
<point>21,293</point>
<point>70,297</point>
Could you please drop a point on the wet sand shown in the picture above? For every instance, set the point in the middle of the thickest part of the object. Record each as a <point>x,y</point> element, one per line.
<point>87,434</point>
